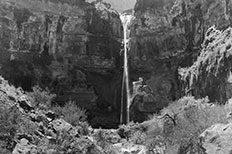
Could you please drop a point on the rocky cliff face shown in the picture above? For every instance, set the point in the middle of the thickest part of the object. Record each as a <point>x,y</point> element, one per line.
<point>168,34</point>
<point>216,139</point>
<point>210,75</point>
<point>71,47</point>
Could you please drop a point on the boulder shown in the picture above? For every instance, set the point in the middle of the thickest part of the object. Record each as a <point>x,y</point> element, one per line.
<point>61,125</point>
<point>25,103</point>
<point>129,148</point>
<point>23,147</point>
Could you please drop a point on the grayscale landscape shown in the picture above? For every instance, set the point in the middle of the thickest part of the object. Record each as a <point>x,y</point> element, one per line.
<point>115,77</point>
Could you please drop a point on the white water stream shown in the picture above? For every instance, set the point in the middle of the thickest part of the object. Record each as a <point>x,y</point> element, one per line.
<point>126,19</point>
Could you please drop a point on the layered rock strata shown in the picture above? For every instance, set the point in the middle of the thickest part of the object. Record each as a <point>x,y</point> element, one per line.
<point>166,35</point>
<point>72,47</point>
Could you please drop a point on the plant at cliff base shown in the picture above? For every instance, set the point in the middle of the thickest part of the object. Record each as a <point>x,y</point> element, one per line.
<point>184,121</point>
<point>72,113</point>
<point>133,133</point>
<point>214,57</point>
<point>102,139</point>
<point>68,144</point>
<point>9,122</point>
<point>41,98</point>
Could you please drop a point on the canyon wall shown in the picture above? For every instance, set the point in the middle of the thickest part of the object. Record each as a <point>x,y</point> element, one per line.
<point>71,47</point>
<point>167,35</point>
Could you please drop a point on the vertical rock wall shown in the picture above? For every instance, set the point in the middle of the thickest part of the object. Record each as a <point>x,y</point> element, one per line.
<point>72,47</point>
<point>168,34</point>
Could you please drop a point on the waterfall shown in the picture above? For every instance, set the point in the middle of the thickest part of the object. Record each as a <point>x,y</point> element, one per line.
<point>126,19</point>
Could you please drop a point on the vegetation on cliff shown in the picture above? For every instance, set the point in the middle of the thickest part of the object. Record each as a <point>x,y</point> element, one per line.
<point>210,75</point>
<point>183,121</point>
<point>214,57</point>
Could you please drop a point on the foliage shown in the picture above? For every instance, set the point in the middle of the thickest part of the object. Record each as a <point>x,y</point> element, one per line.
<point>63,144</point>
<point>133,132</point>
<point>184,121</point>
<point>71,112</point>
<point>9,122</point>
<point>84,128</point>
<point>102,138</point>
<point>213,59</point>
<point>41,98</point>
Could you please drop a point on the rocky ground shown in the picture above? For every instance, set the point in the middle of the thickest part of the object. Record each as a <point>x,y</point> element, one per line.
<point>187,126</point>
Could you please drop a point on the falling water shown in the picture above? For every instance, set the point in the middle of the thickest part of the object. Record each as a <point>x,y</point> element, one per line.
<point>126,19</point>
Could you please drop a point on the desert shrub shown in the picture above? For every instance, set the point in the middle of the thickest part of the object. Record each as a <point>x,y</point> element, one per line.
<point>62,144</point>
<point>65,143</point>
<point>28,127</point>
<point>100,137</point>
<point>184,121</point>
<point>71,113</point>
<point>156,145</point>
<point>84,128</point>
<point>9,122</point>
<point>41,98</point>
<point>133,132</point>
<point>103,139</point>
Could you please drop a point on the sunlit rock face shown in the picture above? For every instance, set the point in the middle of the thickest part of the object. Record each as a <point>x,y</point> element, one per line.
<point>168,34</point>
<point>217,139</point>
<point>72,47</point>
<point>169,27</point>
<point>210,75</point>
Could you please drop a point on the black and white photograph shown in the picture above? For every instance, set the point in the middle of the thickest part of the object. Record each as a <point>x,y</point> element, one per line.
<point>115,76</point>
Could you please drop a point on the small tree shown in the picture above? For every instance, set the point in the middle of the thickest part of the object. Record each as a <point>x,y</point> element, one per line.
<point>41,98</point>
<point>71,112</point>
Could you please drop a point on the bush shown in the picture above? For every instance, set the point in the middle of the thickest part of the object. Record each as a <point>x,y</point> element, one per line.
<point>103,139</point>
<point>184,121</point>
<point>133,132</point>
<point>71,112</point>
<point>68,144</point>
<point>41,98</point>
<point>9,123</point>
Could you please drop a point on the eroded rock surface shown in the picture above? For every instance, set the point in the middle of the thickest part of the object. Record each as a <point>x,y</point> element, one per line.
<point>74,48</point>
<point>71,47</point>
<point>217,139</point>
<point>210,75</point>
<point>167,34</point>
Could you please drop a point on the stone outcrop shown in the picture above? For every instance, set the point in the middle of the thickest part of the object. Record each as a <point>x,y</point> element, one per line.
<point>24,147</point>
<point>210,75</point>
<point>167,34</point>
<point>217,139</point>
<point>72,47</point>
